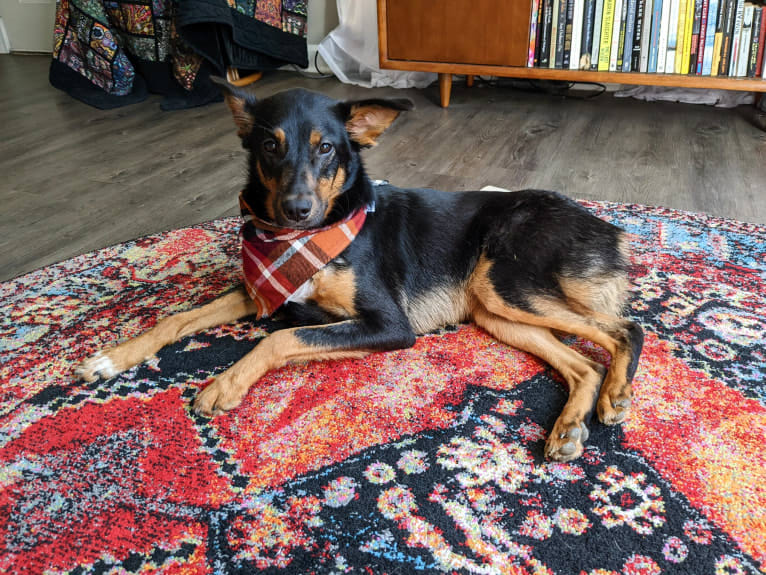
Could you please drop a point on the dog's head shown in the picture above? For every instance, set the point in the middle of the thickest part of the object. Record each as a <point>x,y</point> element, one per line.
<point>305,167</point>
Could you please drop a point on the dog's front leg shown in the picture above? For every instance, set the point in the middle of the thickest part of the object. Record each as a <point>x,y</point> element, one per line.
<point>351,338</point>
<point>108,363</point>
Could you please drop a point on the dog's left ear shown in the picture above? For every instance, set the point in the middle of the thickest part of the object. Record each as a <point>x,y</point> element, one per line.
<point>238,100</point>
<point>368,119</point>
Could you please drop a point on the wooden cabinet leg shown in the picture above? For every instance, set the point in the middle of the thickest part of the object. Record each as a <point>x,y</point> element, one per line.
<point>445,88</point>
<point>469,80</point>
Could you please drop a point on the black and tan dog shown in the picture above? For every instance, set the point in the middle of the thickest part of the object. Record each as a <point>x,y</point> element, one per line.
<point>524,266</point>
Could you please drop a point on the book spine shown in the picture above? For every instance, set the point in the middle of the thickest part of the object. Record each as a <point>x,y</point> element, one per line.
<point>621,36</point>
<point>638,38</point>
<point>702,38</point>
<point>761,46</point>
<point>588,25</point>
<point>646,36</point>
<point>735,37</point>
<point>655,40</point>
<point>533,33</point>
<point>595,48</point>
<point>744,42</point>
<point>728,29</point>
<point>568,35</point>
<point>561,32</point>
<point>755,43</point>
<point>707,56</point>
<point>698,5</point>
<point>718,40</point>
<point>607,23</point>
<point>680,36</point>
<point>688,37</point>
<point>615,40</point>
<point>670,55</point>
<point>630,30</point>
<point>554,33</point>
<point>574,54</point>
<point>545,33</point>
<point>663,46</point>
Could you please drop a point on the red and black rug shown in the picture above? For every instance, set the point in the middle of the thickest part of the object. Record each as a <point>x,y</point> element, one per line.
<point>427,460</point>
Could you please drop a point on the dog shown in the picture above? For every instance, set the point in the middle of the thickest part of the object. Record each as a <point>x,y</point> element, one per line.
<point>526,266</point>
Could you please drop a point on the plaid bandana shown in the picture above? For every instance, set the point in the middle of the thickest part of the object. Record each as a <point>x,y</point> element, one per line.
<point>278,262</point>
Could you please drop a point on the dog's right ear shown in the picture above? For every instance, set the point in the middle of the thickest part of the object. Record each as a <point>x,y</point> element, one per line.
<point>238,99</point>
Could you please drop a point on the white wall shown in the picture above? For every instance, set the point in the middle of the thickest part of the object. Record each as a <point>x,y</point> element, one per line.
<point>29,23</point>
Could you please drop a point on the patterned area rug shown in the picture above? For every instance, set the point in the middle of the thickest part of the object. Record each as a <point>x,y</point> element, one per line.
<point>427,460</point>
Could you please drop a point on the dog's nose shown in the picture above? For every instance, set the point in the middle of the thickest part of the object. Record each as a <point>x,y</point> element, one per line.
<point>297,209</point>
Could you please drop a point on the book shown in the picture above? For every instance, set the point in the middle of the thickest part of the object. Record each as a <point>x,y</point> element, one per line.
<point>702,37</point>
<point>615,40</point>
<point>638,36</point>
<point>568,35</point>
<point>680,36</point>
<point>646,35</point>
<point>574,53</point>
<point>735,37</point>
<point>695,43</point>
<point>728,29</point>
<point>554,32</point>
<point>755,44</point>
<point>761,46</point>
<point>545,33</point>
<point>621,36</point>
<point>588,26</point>
<point>663,45</point>
<point>707,52</point>
<point>561,33</point>
<point>533,19</point>
<point>654,42</point>
<point>670,54</point>
<point>744,42</point>
<point>718,38</point>
<point>630,30</point>
<point>596,43</point>
<point>607,23</point>
<point>687,43</point>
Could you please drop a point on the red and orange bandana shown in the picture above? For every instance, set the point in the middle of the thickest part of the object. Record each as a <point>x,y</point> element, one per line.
<point>277,262</point>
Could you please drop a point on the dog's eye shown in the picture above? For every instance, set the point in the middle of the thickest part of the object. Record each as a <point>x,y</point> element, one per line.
<point>270,146</point>
<point>325,148</point>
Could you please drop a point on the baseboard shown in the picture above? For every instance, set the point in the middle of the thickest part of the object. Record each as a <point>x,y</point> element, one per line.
<point>5,44</point>
<point>323,67</point>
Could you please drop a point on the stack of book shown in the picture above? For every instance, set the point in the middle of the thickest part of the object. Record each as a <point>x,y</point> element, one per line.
<point>701,37</point>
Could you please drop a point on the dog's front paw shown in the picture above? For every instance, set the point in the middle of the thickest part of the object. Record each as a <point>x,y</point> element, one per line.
<point>218,397</point>
<point>98,366</point>
<point>566,441</point>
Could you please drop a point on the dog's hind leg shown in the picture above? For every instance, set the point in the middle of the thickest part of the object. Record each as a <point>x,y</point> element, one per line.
<point>227,308</point>
<point>583,376</point>
<point>621,338</point>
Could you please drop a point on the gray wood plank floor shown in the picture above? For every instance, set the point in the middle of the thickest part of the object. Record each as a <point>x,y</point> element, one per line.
<point>73,178</point>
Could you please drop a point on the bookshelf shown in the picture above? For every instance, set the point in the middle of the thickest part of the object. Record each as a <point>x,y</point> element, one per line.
<point>487,37</point>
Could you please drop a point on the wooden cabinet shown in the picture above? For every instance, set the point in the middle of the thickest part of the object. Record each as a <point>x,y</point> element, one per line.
<point>491,37</point>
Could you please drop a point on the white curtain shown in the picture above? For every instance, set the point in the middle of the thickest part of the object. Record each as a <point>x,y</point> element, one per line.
<point>351,50</point>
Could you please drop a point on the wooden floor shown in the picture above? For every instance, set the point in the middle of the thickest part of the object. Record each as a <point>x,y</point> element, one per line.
<point>73,178</point>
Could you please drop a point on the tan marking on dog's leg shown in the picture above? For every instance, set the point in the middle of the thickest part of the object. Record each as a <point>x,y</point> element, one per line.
<point>605,330</point>
<point>583,376</point>
<point>228,389</point>
<point>225,309</point>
